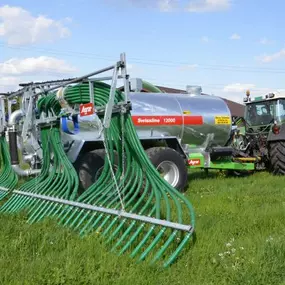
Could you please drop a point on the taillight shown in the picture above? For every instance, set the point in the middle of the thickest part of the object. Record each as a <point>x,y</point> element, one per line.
<point>275,129</point>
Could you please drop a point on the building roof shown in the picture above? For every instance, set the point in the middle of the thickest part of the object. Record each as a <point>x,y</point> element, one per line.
<point>235,108</point>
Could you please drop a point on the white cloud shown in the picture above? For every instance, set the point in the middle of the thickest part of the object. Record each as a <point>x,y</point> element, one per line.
<point>238,87</point>
<point>235,37</point>
<point>265,41</point>
<point>197,6</point>
<point>183,5</point>
<point>18,27</point>
<point>205,39</point>
<point>237,91</point>
<point>266,58</point>
<point>188,67</point>
<point>166,5</point>
<point>8,84</point>
<point>15,70</point>
<point>35,65</point>
<point>162,5</point>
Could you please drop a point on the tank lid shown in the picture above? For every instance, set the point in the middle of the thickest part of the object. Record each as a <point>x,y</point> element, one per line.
<point>194,89</point>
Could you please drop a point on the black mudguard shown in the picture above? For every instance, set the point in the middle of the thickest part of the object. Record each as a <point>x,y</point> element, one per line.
<point>277,137</point>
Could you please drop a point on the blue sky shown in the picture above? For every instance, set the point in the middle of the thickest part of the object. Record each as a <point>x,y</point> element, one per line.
<point>226,46</point>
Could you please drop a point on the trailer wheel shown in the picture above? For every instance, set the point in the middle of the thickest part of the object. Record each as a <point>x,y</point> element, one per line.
<point>171,165</point>
<point>277,157</point>
<point>90,166</point>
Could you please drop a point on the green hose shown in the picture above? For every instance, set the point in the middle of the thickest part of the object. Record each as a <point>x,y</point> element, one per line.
<point>8,178</point>
<point>150,87</point>
<point>137,187</point>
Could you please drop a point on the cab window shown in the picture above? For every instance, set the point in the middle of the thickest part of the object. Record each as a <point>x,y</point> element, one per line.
<point>281,110</point>
<point>260,113</point>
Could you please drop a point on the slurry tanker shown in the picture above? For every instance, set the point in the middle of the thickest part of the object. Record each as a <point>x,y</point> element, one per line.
<point>177,131</point>
<point>112,160</point>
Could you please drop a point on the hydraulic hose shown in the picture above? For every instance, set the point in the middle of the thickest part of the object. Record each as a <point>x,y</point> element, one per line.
<point>150,87</point>
<point>8,178</point>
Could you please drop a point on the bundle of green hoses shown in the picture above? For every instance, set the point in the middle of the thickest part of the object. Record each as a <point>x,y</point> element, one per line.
<point>8,178</point>
<point>137,187</point>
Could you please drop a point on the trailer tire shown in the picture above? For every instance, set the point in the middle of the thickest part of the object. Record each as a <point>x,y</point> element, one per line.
<point>90,165</point>
<point>277,157</point>
<point>172,162</point>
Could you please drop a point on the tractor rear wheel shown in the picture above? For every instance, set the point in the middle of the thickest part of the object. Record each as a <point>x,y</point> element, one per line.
<point>90,166</point>
<point>277,157</point>
<point>170,164</point>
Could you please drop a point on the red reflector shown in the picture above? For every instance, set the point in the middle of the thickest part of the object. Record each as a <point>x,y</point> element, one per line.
<point>276,129</point>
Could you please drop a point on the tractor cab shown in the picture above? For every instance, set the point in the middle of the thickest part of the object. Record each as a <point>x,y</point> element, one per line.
<point>263,111</point>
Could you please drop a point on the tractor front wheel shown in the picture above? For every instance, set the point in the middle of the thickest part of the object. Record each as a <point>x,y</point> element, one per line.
<point>277,157</point>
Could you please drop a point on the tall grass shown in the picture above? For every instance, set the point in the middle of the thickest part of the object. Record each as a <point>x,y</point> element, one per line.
<point>240,240</point>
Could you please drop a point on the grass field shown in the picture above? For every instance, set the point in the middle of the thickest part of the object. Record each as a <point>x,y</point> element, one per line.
<point>240,240</point>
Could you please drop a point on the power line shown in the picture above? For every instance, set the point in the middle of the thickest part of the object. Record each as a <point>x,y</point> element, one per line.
<point>217,86</point>
<point>182,86</point>
<point>151,62</point>
<point>51,72</point>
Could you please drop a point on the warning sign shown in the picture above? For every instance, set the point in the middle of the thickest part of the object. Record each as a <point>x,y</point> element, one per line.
<point>222,120</point>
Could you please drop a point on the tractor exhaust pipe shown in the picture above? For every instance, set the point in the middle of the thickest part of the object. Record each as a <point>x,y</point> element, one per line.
<point>13,147</point>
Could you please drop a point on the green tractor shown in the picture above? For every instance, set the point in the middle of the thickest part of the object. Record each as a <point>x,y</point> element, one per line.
<point>260,134</point>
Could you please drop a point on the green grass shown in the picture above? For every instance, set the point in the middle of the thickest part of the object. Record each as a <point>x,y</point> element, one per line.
<point>240,240</point>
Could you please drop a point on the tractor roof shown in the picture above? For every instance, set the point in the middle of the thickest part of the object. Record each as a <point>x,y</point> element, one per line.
<point>267,97</point>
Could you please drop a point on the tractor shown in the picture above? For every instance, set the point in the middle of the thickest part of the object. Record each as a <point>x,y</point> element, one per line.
<point>260,135</point>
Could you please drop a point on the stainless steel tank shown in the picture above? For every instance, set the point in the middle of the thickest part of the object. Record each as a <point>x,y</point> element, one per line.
<point>189,117</point>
